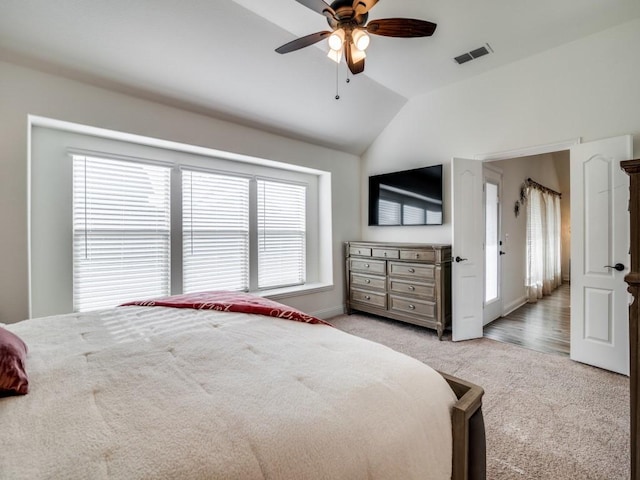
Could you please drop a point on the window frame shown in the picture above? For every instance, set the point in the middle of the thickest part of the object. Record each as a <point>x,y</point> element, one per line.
<point>50,178</point>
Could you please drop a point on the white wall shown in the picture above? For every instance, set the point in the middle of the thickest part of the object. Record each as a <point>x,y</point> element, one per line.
<point>24,91</point>
<point>588,88</point>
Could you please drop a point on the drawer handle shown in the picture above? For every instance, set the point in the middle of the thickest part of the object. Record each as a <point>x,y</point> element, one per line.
<point>412,307</point>
<point>366,265</point>
<point>412,288</point>
<point>367,281</point>
<point>367,297</point>
<point>412,270</point>
<point>385,254</point>
<point>359,252</point>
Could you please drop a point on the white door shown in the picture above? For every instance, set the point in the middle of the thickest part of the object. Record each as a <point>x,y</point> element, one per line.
<point>493,247</point>
<point>468,260</point>
<point>599,243</point>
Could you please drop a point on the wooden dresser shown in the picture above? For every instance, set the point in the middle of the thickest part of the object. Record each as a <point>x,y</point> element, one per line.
<point>404,281</point>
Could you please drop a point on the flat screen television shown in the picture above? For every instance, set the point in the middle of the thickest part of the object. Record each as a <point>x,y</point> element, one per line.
<point>410,197</point>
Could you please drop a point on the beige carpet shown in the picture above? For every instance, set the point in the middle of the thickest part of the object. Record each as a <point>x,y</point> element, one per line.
<point>546,416</point>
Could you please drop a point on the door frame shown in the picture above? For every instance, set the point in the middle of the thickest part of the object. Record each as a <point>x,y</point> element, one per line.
<point>510,154</point>
<point>528,151</point>
<point>536,150</point>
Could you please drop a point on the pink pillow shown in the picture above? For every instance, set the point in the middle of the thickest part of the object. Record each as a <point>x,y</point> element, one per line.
<point>13,352</point>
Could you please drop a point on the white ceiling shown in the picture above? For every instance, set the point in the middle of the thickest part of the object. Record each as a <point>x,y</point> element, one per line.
<point>217,56</point>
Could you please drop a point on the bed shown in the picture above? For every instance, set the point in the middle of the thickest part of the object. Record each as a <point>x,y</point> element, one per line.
<point>161,391</point>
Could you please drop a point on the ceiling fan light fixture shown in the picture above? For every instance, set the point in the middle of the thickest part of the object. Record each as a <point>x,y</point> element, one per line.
<point>357,55</point>
<point>336,39</point>
<point>350,30</point>
<point>360,39</point>
<point>335,55</point>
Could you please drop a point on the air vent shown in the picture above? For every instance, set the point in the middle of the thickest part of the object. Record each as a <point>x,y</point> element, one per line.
<point>473,54</point>
<point>463,58</point>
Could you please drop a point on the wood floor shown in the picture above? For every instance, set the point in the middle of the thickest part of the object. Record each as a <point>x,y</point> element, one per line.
<point>541,326</point>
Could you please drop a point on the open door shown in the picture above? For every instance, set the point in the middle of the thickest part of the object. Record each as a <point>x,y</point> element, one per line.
<point>468,260</point>
<point>600,253</point>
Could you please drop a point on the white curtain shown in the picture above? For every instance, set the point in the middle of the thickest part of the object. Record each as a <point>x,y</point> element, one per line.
<point>543,243</point>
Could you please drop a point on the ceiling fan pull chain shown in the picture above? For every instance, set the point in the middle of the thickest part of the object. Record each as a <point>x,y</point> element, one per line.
<point>337,81</point>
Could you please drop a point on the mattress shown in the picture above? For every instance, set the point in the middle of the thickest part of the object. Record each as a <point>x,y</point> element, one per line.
<point>165,393</point>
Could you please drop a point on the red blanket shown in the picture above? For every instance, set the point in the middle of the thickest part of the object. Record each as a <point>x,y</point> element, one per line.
<point>230,302</point>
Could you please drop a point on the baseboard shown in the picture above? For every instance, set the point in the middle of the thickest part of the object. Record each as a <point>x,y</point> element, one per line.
<point>507,309</point>
<point>329,312</point>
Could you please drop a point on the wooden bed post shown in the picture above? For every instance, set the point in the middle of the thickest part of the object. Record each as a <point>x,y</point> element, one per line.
<point>632,167</point>
<point>469,441</point>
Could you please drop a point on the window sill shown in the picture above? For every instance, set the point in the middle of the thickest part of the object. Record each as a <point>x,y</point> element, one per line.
<point>309,288</point>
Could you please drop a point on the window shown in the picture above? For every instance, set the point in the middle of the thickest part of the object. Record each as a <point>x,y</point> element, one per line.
<point>121,229</point>
<point>281,234</point>
<point>195,213</point>
<point>215,230</point>
<point>122,232</point>
<point>544,272</point>
<point>491,242</point>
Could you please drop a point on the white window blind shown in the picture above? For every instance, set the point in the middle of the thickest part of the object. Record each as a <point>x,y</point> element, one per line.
<point>215,227</point>
<point>121,232</point>
<point>281,234</point>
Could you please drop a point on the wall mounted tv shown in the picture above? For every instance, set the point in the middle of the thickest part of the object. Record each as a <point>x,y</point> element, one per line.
<point>410,197</point>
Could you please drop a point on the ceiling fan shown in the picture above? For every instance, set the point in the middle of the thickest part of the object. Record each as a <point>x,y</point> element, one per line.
<point>349,34</point>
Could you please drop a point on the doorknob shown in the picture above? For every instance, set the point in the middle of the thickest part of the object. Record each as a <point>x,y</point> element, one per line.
<point>618,266</point>
<point>502,253</point>
<point>458,259</point>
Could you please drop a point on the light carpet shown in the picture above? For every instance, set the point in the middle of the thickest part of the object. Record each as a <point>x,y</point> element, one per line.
<point>546,416</point>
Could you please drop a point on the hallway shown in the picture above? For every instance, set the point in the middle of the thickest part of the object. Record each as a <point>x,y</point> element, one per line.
<point>543,326</point>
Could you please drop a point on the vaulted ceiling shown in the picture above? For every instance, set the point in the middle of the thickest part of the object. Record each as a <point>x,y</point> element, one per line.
<point>217,56</point>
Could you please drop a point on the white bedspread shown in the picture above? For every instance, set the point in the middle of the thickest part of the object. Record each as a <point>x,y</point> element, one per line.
<point>163,393</point>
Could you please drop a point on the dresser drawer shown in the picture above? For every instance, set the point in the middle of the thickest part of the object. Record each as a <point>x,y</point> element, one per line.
<point>413,270</point>
<point>390,253</point>
<point>412,307</point>
<point>423,290</point>
<point>424,255</point>
<point>370,298</point>
<point>367,266</point>
<point>364,252</point>
<point>368,281</point>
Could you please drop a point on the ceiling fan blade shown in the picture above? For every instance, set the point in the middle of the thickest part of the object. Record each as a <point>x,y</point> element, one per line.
<point>320,7</point>
<point>355,67</point>
<point>401,27</point>
<point>302,42</point>
<point>363,6</point>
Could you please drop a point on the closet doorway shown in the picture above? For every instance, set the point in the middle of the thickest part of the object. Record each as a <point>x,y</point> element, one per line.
<point>513,313</point>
